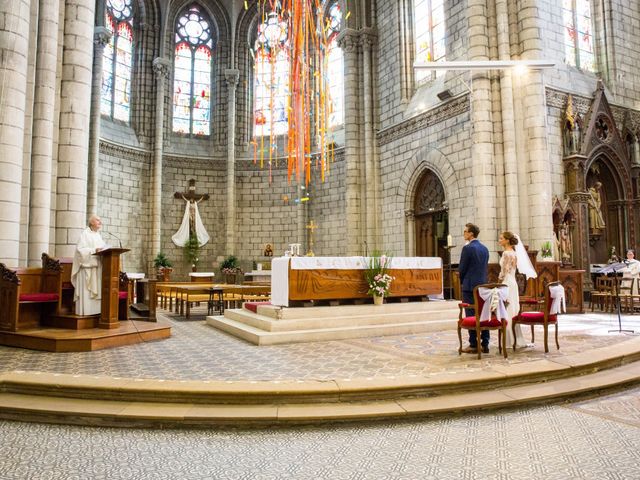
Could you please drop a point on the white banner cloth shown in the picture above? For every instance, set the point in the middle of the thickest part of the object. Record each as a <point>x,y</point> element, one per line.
<point>558,302</point>
<point>494,299</point>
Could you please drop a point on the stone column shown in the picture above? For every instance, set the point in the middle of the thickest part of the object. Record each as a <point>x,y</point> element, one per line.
<point>348,41</point>
<point>100,39</point>
<point>75,106</point>
<point>482,165</point>
<point>14,45</point>
<point>42,139</point>
<point>535,129</point>
<point>372,184</point>
<point>231,75</point>
<point>161,68</point>
<point>410,229</point>
<point>512,197</point>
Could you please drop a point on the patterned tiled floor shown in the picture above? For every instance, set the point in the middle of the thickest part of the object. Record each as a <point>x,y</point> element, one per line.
<point>197,351</point>
<point>590,439</point>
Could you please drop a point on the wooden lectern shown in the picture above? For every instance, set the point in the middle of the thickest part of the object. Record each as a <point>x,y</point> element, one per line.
<point>110,286</point>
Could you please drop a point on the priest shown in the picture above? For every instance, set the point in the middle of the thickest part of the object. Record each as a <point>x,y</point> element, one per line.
<point>86,273</point>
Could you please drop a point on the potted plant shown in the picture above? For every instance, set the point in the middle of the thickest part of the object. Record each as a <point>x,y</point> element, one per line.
<point>546,251</point>
<point>163,267</point>
<point>377,277</point>
<point>191,251</point>
<point>230,269</point>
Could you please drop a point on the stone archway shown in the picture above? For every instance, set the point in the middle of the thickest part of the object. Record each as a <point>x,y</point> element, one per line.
<point>431,217</point>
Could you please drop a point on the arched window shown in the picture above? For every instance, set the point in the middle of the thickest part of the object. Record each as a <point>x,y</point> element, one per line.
<point>335,72</point>
<point>271,77</point>
<point>578,34</point>
<point>117,61</point>
<point>429,36</point>
<point>192,66</point>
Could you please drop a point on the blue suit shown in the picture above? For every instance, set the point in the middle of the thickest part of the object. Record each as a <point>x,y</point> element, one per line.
<point>473,272</point>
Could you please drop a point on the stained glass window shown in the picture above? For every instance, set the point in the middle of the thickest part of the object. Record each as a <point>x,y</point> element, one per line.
<point>192,73</point>
<point>429,36</point>
<point>117,61</point>
<point>336,68</point>
<point>271,77</point>
<point>578,34</point>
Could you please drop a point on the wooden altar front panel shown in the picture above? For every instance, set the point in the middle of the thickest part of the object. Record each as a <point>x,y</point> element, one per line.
<point>336,284</point>
<point>572,282</point>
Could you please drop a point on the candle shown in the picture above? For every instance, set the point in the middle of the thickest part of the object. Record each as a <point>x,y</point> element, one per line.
<point>449,240</point>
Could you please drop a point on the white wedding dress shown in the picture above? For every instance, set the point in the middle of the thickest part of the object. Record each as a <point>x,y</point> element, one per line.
<point>508,265</point>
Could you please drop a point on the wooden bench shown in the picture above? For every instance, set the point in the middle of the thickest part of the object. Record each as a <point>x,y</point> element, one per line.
<point>27,294</point>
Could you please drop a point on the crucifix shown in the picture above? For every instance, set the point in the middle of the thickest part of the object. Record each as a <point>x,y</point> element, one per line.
<point>191,221</point>
<point>311,227</point>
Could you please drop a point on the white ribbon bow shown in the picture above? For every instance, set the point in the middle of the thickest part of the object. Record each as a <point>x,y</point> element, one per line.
<point>494,299</point>
<point>558,302</point>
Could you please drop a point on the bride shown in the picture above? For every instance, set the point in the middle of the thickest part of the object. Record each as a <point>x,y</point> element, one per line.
<point>514,257</point>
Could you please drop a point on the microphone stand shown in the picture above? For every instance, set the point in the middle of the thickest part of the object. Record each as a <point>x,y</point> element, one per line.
<point>448,248</point>
<point>617,287</point>
<point>113,236</point>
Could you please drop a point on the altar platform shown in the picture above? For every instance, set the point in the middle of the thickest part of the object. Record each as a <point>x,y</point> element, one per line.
<point>201,377</point>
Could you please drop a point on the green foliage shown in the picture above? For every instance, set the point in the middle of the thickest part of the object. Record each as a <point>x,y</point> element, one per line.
<point>545,250</point>
<point>161,261</point>
<point>191,249</point>
<point>230,262</point>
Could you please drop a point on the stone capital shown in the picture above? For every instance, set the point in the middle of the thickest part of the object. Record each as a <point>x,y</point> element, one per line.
<point>410,214</point>
<point>101,36</point>
<point>232,75</point>
<point>368,38</point>
<point>161,67</point>
<point>348,40</point>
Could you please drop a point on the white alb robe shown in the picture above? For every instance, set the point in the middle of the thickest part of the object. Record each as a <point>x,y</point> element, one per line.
<point>86,273</point>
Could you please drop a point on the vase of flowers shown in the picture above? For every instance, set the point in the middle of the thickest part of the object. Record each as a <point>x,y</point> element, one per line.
<point>545,251</point>
<point>230,269</point>
<point>377,277</point>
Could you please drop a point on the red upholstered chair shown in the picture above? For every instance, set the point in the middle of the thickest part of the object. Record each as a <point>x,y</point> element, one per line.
<point>543,318</point>
<point>473,322</point>
<point>125,296</point>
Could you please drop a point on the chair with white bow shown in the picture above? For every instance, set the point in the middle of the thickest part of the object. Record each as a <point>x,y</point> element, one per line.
<point>554,304</point>
<point>490,314</point>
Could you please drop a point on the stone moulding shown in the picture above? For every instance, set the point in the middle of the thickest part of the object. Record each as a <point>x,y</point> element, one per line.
<point>450,109</point>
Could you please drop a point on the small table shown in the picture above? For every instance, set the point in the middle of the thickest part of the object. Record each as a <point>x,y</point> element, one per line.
<point>216,301</point>
<point>205,277</point>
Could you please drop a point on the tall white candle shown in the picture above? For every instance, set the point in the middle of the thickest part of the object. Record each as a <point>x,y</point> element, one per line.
<point>449,240</point>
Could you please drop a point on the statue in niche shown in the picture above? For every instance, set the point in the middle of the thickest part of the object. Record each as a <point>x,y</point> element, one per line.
<point>596,219</point>
<point>571,130</point>
<point>565,246</point>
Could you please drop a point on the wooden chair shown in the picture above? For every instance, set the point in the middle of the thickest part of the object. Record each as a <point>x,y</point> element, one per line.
<point>626,295</point>
<point>125,296</point>
<point>543,318</point>
<point>473,322</point>
<point>602,295</point>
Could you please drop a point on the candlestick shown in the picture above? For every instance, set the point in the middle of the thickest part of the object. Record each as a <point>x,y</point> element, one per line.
<point>449,240</point>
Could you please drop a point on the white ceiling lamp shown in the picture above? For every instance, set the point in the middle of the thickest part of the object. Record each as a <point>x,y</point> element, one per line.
<point>485,65</point>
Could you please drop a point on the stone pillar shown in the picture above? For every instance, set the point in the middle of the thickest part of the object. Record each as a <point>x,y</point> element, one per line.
<point>42,139</point>
<point>482,165</point>
<point>348,41</point>
<point>372,183</point>
<point>100,39</point>
<point>512,202</point>
<point>535,129</point>
<point>161,68</point>
<point>410,229</point>
<point>231,75</point>
<point>14,46</point>
<point>75,106</point>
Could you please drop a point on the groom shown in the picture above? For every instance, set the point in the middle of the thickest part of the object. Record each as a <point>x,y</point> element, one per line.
<point>473,272</point>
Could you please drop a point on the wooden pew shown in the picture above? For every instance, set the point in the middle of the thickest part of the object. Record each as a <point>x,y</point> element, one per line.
<point>27,294</point>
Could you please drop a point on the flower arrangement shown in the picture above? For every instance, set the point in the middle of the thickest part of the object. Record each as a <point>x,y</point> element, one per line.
<point>545,250</point>
<point>229,265</point>
<point>378,280</point>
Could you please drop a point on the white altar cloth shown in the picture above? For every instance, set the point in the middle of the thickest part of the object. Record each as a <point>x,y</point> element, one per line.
<point>280,269</point>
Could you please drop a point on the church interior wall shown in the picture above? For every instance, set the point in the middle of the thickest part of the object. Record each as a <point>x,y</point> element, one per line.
<point>209,176</point>
<point>123,186</point>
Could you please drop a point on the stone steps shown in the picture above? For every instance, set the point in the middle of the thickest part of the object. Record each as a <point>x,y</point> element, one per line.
<point>274,325</point>
<point>81,399</point>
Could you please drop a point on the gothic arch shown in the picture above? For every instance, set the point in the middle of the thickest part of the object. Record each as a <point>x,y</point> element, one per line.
<point>428,158</point>
<point>618,168</point>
